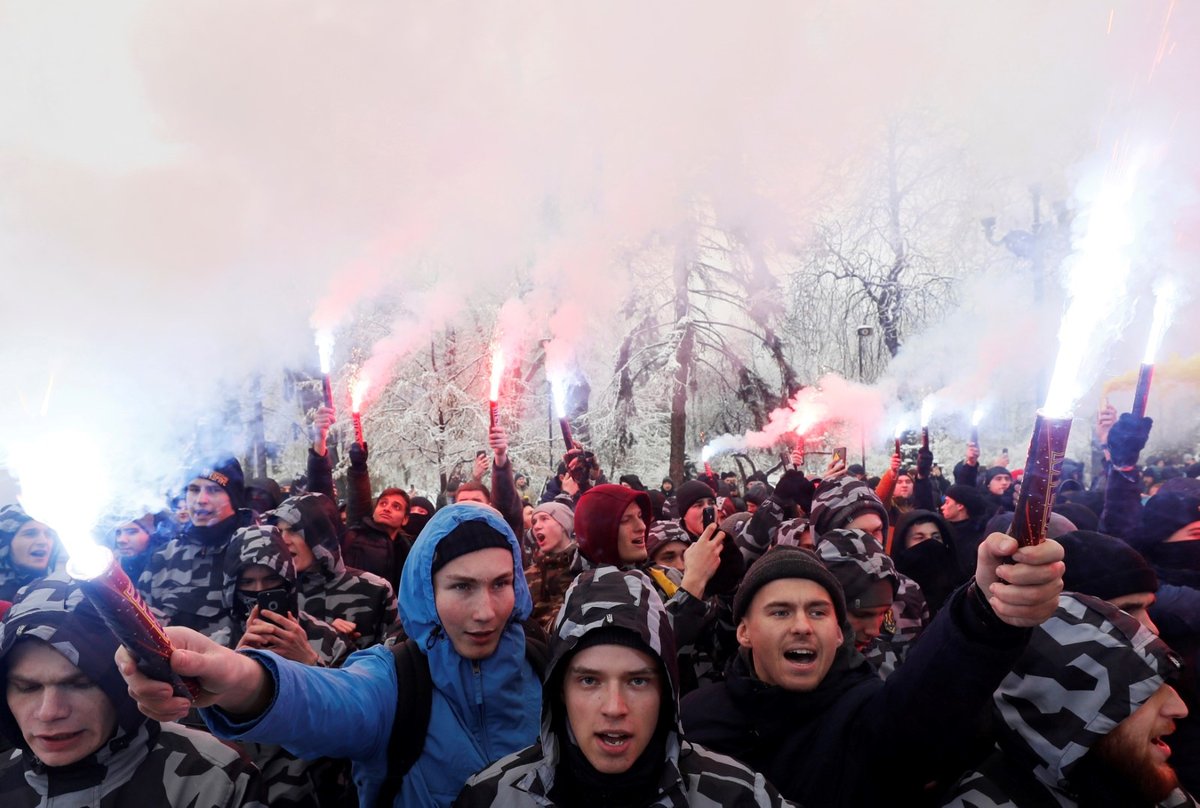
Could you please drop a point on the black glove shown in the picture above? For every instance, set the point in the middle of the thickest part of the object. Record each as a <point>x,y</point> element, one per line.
<point>358,456</point>
<point>1127,438</point>
<point>794,488</point>
<point>924,463</point>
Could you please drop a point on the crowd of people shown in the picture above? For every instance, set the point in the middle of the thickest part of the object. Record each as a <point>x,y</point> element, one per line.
<point>834,640</point>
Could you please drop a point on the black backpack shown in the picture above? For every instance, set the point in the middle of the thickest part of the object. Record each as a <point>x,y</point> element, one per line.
<point>414,702</point>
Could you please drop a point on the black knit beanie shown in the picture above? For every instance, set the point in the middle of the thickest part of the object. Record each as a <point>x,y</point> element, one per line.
<point>690,493</point>
<point>783,561</point>
<point>969,497</point>
<point>467,538</point>
<point>1163,515</point>
<point>1103,566</point>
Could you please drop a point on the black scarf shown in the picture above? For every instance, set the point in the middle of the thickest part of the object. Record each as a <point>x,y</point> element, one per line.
<point>214,536</point>
<point>577,783</point>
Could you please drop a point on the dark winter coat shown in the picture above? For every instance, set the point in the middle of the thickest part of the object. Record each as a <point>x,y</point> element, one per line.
<point>965,538</point>
<point>1122,510</point>
<point>856,739</point>
<point>367,545</point>
<point>601,600</point>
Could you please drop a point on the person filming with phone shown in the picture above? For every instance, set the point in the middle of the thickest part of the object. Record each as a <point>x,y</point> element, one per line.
<point>260,580</point>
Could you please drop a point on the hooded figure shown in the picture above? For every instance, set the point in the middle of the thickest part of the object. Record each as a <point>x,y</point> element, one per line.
<point>886,610</point>
<point>126,536</point>
<point>328,589</point>
<point>1086,670</point>
<point>287,780</point>
<point>603,540</point>
<point>839,503</point>
<point>612,607</point>
<point>139,763</point>
<point>263,545</point>
<point>930,562</point>
<point>36,556</point>
<point>481,709</point>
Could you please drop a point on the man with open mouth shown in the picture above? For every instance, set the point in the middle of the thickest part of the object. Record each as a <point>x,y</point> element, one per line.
<point>28,550</point>
<point>802,706</point>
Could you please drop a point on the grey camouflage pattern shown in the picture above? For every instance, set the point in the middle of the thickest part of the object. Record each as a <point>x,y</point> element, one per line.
<point>836,500</point>
<point>608,597</point>
<point>183,584</point>
<point>1087,669</point>
<point>12,517</point>
<point>329,590</point>
<point>288,781</point>
<point>164,765</point>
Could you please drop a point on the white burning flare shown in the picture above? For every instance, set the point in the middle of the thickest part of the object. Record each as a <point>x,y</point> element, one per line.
<point>977,416</point>
<point>927,407</point>
<point>558,391</point>
<point>1096,277</point>
<point>1166,300</point>
<point>39,466</point>
<point>324,339</point>
<point>497,374</point>
<point>899,433</point>
<point>706,454</point>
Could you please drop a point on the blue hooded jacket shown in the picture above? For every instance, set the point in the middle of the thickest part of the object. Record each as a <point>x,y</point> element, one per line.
<point>481,711</point>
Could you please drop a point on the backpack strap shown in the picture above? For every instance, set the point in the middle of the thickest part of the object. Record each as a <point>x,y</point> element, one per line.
<point>414,703</point>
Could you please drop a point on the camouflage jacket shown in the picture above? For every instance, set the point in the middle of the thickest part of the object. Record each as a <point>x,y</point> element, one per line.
<point>263,545</point>
<point>184,584</point>
<point>288,781</point>
<point>902,626</point>
<point>1087,669</point>
<point>692,776</point>
<point>328,589</point>
<point>364,599</point>
<point>549,576</point>
<point>603,599</point>
<point>163,765</point>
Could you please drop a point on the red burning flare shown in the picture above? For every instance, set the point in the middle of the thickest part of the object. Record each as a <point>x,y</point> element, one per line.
<point>494,394</point>
<point>358,392</point>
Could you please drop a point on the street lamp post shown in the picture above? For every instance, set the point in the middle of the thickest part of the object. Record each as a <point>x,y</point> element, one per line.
<point>1030,245</point>
<point>864,331</point>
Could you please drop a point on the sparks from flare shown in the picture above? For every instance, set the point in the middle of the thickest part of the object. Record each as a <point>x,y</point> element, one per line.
<point>1096,277</point>
<point>358,392</point>
<point>927,408</point>
<point>1166,299</point>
